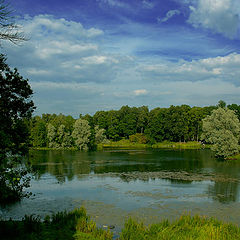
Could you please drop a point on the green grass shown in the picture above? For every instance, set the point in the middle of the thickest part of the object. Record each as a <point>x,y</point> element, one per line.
<point>185,228</point>
<point>60,148</point>
<point>235,157</point>
<point>125,143</point>
<point>178,145</point>
<point>76,225</point>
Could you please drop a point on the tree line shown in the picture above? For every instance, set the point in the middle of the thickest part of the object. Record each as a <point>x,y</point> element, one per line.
<point>138,124</point>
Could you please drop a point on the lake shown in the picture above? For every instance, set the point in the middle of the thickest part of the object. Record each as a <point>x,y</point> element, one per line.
<point>113,185</point>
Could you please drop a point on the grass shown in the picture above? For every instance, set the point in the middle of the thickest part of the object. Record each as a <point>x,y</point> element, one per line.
<point>76,225</point>
<point>179,145</point>
<point>185,228</point>
<point>48,148</point>
<point>235,157</point>
<point>125,143</point>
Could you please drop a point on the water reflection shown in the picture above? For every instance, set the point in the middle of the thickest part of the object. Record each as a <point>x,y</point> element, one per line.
<point>68,165</point>
<point>224,192</point>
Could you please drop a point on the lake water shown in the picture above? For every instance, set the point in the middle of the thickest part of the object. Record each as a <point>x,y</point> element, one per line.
<point>145,184</point>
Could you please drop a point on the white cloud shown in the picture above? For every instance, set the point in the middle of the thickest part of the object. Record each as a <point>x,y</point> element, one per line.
<point>61,50</point>
<point>114,3</point>
<point>169,15</point>
<point>220,16</point>
<point>140,92</point>
<point>225,68</point>
<point>147,4</point>
<point>70,70</point>
<point>48,25</point>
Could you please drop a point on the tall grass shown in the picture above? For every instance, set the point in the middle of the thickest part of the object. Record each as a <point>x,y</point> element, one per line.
<point>76,225</point>
<point>185,228</point>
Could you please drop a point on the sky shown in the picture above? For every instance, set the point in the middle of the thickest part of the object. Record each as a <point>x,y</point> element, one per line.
<point>84,56</point>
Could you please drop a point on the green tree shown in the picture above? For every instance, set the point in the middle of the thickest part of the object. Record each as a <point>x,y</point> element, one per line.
<point>222,129</point>
<point>52,136</point>
<point>38,132</point>
<point>64,137</point>
<point>16,108</point>
<point>81,133</point>
<point>100,136</point>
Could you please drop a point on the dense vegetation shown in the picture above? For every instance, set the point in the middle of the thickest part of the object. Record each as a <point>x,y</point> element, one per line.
<point>138,125</point>
<point>16,108</point>
<point>77,225</point>
<point>222,130</point>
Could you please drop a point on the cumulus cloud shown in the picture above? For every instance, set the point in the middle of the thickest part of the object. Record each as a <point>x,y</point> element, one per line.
<point>225,68</point>
<point>61,50</point>
<point>70,68</point>
<point>220,16</point>
<point>169,15</point>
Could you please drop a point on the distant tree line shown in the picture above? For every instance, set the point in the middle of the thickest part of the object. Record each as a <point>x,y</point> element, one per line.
<point>138,124</point>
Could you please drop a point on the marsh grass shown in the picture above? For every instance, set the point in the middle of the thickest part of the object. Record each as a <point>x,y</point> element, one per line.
<point>125,143</point>
<point>185,228</point>
<point>179,145</point>
<point>76,225</point>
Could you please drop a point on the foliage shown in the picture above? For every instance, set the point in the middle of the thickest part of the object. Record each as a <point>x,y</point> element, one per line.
<point>124,143</point>
<point>187,227</point>
<point>52,136</point>
<point>138,138</point>
<point>178,145</point>
<point>9,30</point>
<point>222,129</point>
<point>62,226</point>
<point>77,225</point>
<point>174,124</point>
<point>38,132</point>
<point>81,133</point>
<point>100,136</point>
<point>16,108</point>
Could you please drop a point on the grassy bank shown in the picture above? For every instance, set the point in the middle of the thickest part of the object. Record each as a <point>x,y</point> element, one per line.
<point>125,143</point>
<point>235,157</point>
<point>77,225</point>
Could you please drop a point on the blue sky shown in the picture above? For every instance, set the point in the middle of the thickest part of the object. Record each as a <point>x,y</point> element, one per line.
<point>88,55</point>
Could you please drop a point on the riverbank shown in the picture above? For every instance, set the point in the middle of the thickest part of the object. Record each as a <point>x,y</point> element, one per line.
<point>77,225</point>
<point>125,143</point>
<point>234,158</point>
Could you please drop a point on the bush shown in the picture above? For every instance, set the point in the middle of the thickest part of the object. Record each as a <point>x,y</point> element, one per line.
<point>138,138</point>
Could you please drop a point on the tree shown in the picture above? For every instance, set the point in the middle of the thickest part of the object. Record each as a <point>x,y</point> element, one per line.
<point>81,133</point>
<point>222,129</point>
<point>9,30</point>
<point>38,132</point>
<point>52,136</point>
<point>100,136</point>
<point>16,108</point>
<point>64,137</point>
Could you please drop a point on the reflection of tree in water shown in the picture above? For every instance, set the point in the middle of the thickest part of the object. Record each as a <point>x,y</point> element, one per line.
<point>227,191</point>
<point>180,181</point>
<point>59,164</point>
<point>224,192</point>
